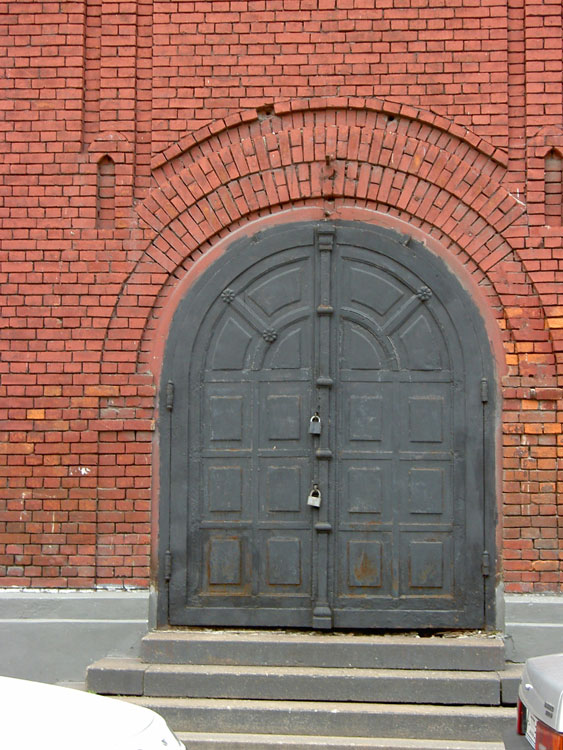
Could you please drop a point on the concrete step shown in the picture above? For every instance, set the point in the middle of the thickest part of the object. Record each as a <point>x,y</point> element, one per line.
<point>473,651</point>
<point>215,741</point>
<point>113,676</point>
<point>333,719</point>
<point>510,682</point>
<point>131,677</point>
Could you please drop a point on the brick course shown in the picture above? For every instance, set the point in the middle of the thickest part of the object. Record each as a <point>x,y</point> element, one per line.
<point>215,114</point>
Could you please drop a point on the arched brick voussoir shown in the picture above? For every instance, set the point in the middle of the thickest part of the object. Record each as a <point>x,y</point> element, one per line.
<point>400,171</point>
<point>295,132</point>
<point>440,160</point>
<point>373,114</point>
<point>426,175</point>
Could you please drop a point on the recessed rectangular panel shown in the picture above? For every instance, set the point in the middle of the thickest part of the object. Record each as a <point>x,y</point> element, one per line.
<point>283,417</point>
<point>426,489</point>
<point>365,489</point>
<point>364,564</point>
<point>364,567</point>
<point>224,489</point>
<point>226,419</point>
<point>226,414</point>
<point>426,419</point>
<point>366,418</point>
<point>428,569</point>
<point>284,561</point>
<point>283,489</point>
<point>224,561</point>
<point>282,485</point>
<point>284,413</point>
<point>426,564</point>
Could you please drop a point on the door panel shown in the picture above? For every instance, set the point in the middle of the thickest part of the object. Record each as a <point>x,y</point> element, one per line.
<point>347,322</point>
<point>396,510</point>
<point>243,528</point>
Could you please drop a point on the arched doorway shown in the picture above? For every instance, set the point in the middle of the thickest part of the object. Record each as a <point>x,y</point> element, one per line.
<point>323,437</point>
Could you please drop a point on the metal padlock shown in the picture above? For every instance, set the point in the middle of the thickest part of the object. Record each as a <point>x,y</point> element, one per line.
<point>315,425</point>
<point>314,499</point>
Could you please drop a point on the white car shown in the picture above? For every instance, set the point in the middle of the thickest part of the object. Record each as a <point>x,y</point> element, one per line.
<point>35,715</point>
<point>540,706</point>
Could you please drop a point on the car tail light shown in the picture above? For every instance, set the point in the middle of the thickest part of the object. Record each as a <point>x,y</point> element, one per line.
<point>547,738</point>
<point>520,725</point>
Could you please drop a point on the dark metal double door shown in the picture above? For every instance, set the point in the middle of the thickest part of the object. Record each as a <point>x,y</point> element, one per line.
<point>319,366</point>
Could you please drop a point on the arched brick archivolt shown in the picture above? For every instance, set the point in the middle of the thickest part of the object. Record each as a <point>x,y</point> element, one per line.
<point>378,162</point>
<point>413,165</point>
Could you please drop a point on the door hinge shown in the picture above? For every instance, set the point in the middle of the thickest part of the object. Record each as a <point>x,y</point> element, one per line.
<point>170,395</point>
<point>167,565</point>
<point>485,564</point>
<point>484,390</point>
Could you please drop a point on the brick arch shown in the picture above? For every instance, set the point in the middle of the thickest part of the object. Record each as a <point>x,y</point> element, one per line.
<point>381,164</point>
<point>392,159</point>
<point>370,113</point>
<point>359,152</point>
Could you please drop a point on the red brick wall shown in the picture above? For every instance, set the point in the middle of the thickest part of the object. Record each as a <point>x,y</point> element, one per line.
<point>135,135</point>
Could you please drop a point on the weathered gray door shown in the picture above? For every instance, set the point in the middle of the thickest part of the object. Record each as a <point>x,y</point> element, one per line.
<point>371,333</point>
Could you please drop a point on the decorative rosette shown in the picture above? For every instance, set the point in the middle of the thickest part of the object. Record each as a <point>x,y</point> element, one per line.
<point>424,293</point>
<point>228,296</point>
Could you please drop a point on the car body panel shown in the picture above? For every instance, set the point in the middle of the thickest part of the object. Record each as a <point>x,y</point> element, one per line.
<point>55,718</point>
<point>541,689</point>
